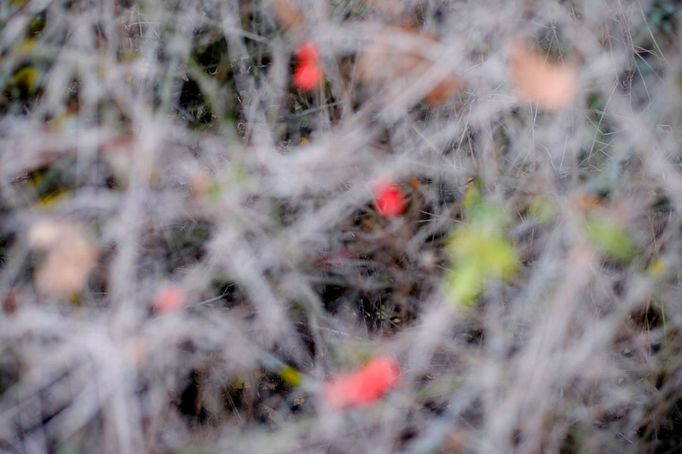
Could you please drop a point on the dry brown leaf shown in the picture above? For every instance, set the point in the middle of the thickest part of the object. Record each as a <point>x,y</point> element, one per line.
<point>70,255</point>
<point>11,302</point>
<point>119,154</point>
<point>386,6</point>
<point>200,184</point>
<point>381,62</point>
<point>550,85</point>
<point>586,203</point>
<point>44,234</point>
<point>457,441</point>
<point>289,15</point>
<point>137,351</point>
<point>445,90</point>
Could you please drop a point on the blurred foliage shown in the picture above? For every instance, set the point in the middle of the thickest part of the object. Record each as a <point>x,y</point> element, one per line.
<point>663,17</point>
<point>479,249</point>
<point>541,209</point>
<point>23,86</point>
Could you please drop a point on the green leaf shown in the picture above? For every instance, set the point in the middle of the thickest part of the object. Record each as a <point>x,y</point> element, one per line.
<point>541,209</point>
<point>485,248</point>
<point>471,199</point>
<point>479,249</point>
<point>464,284</point>
<point>610,238</point>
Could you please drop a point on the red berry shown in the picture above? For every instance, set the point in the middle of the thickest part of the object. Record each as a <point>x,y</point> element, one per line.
<point>307,75</point>
<point>169,299</point>
<point>307,52</point>
<point>363,386</point>
<point>389,199</point>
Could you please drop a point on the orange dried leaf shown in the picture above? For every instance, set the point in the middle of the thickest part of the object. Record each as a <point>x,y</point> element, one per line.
<point>550,85</point>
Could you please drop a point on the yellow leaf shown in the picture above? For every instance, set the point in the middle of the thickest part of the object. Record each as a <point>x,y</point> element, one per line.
<point>52,198</point>
<point>26,77</point>
<point>26,47</point>
<point>657,267</point>
<point>290,375</point>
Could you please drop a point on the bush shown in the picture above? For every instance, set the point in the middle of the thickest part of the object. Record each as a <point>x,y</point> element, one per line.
<point>340,226</point>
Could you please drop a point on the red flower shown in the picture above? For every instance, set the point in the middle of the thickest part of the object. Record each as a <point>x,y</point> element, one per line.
<point>308,73</point>
<point>389,199</point>
<point>363,386</point>
<point>170,299</point>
